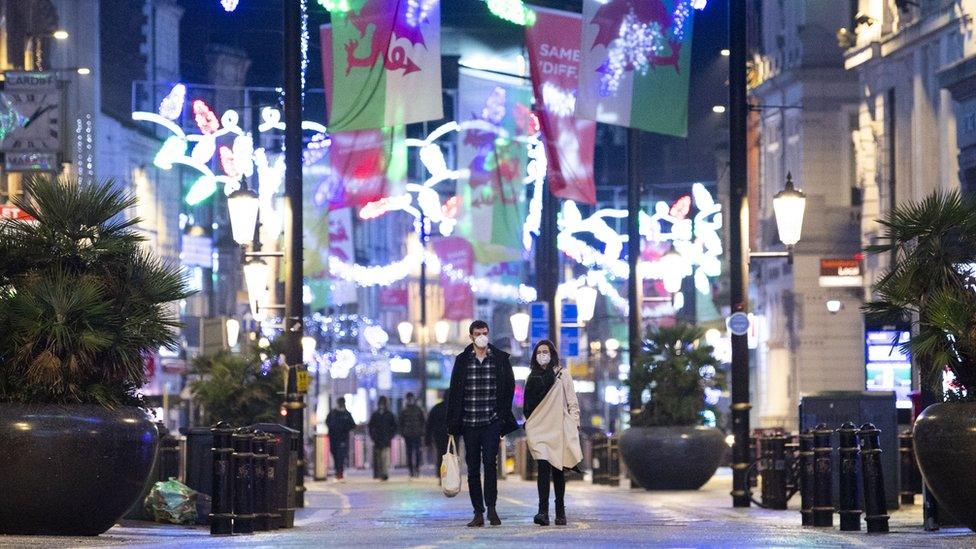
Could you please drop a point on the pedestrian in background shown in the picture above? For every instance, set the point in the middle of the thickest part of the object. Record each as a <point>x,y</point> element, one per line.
<point>382,429</point>
<point>436,432</point>
<point>412,428</point>
<point>480,408</point>
<point>340,423</point>
<point>551,427</point>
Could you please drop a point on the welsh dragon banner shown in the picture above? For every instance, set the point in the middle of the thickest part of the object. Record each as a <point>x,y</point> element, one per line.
<point>636,62</point>
<point>554,59</point>
<point>382,63</point>
<point>496,115</point>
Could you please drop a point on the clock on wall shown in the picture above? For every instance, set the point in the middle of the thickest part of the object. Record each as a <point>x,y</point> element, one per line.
<point>31,121</point>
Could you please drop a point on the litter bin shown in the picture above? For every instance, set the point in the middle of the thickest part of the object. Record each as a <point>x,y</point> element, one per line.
<point>199,459</point>
<point>286,469</point>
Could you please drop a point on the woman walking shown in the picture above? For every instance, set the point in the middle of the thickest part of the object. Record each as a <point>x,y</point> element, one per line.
<point>551,427</point>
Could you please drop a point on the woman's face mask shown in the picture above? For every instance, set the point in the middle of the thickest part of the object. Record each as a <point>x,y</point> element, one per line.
<point>543,358</point>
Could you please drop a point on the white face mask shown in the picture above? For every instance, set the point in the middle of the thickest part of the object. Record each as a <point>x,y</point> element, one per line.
<point>543,358</point>
<point>481,341</point>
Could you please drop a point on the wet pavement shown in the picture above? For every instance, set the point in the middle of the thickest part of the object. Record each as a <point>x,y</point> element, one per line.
<point>362,512</point>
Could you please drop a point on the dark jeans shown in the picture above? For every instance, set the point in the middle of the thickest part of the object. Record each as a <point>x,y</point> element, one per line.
<point>481,447</point>
<point>414,454</point>
<point>545,472</point>
<point>340,450</point>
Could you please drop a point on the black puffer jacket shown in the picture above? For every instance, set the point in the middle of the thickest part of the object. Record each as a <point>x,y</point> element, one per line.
<point>505,392</point>
<point>412,421</point>
<point>382,428</point>
<point>536,388</point>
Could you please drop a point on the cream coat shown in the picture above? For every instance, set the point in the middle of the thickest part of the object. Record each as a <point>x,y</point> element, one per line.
<point>552,430</point>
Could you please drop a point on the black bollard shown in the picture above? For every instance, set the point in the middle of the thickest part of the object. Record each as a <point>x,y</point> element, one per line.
<point>909,469</point>
<point>850,508</point>
<point>169,454</point>
<point>243,481</point>
<point>773,471</point>
<point>875,505</point>
<point>222,516</point>
<point>823,481</point>
<point>806,477</point>
<point>792,463</point>
<point>261,517</point>
<point>271,489</point>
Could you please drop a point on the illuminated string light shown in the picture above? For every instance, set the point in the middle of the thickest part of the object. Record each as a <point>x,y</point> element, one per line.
<point>171,107</point>
<point>229,5</point>
<point>558,101</point>
<point>513,11</point>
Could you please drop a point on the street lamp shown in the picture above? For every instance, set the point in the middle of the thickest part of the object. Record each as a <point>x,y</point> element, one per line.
<point>233,327</point>
<point>442,331</point>
<point>405,329</point>
<point>585,303</point>
<point>308,348</point>
<point>256,273</point>
<point>520,326</point>
<point>612,346</point>
<point>243,205</point>
<point>674,267</point>
<point>788,207</point>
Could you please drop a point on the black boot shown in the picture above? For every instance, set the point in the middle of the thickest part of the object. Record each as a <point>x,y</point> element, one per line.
<point>493,517</point>
<point>560,514</point>
<point>542,517</point>
<point>478,520</point>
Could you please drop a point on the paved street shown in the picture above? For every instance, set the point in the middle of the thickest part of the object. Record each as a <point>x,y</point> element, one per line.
<point>400,513</point>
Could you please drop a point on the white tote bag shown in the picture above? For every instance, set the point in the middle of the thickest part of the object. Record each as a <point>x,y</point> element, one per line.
<point>451,470</point>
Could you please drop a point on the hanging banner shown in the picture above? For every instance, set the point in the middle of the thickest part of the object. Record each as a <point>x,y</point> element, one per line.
<point>457,264</point>
<point>367,165</point>
<point>554,60</point>
<point>636,62</point>
<point>315,243</point>
<point>492,193</point>
<point>382,63</point>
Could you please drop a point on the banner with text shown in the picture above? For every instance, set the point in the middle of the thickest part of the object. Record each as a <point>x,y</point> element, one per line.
<point>636,62</point>
<point>496,111</point>
<point>381,61</point>
<point>554,60</point>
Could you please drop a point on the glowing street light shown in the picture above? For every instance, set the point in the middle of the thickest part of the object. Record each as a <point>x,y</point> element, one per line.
<point>256,273</point>
<point>788,208</point>
<point>233,327</point>
<point>405,330</point>
<point>442,331</point>
<point>520,326</point>
<point>243,206</point>
<point>585,303</point>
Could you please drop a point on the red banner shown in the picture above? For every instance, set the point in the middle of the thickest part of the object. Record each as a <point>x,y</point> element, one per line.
<point>554,44</point>
<point>457,264</point>
<point>367,165</point>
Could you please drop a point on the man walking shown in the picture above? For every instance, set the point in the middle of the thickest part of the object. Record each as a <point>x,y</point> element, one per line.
<point>480,409</point>
<point>340,424</point>
<point>412,429</point>
<point>382,429</point>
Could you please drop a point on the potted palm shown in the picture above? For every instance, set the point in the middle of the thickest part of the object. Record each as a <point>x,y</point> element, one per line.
<point>930,282</point>
<point>238,389</point>
<point>81,303</point>
<point>667,446</point>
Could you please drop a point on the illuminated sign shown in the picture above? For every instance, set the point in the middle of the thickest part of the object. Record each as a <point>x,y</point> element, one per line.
<point>841,273</point>
<point>886,366</point>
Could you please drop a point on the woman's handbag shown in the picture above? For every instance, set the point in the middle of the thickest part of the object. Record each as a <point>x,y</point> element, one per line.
<point>571,432</point>
<point>451,470</point>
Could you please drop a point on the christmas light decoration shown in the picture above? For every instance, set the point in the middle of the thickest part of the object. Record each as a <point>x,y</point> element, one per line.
<point>513,11</point>
<point>418,10</point>
<point>204,117</point>
<point>335,6</point>
<point>229,5</point>
<point>201,189</point>
<point>558,101</point>
<point>171,107</point>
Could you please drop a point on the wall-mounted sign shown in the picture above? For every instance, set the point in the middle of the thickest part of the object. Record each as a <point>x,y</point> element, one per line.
<point>886,366</point>
<point>841,273</point>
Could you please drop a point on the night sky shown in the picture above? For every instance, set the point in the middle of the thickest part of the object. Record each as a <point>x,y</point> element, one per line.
<point>255,27</point>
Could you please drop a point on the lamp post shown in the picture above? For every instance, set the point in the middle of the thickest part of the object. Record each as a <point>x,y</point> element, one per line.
<point>789,219</point>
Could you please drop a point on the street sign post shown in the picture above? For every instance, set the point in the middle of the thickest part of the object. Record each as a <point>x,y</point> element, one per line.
<point>738,324</point>
<point>539,323</point>
<point>569,332</point>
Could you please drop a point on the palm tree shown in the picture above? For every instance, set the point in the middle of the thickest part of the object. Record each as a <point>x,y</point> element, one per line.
<point>81,301</point>
<point>931,283</point>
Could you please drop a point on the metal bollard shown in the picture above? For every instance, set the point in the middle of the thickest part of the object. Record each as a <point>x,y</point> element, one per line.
<point>823,482</point>
<point>222,516</point>
<point>272,490</point>
<point>261,517</point>
<point>243,481</point>
<point>850,509</point>
<point>806,477</point>
<point>875,505</point>
<point>792,461</point>
<point>910,474</point>
<point>169,454</point>
<point>773,471</point>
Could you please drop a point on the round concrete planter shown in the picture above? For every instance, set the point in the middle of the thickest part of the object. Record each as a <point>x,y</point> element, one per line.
<point>71,470</point>
<point>945,447</point>
<point>672,458</point>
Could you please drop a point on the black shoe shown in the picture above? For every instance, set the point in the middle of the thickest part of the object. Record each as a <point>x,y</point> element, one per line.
<point>560,519</point>
<point>493,517</point>
<point>577,469</point>
<point>478,520</point>
<point>542,519</point>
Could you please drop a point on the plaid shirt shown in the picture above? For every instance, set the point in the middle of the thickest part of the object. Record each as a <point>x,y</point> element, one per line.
<point>480,402</point>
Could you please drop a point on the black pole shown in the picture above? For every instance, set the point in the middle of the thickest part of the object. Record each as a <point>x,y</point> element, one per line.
<point>423,310</point>
<point>293,329</point>
<point>633,250</point>
<point>739,248</point>
<point>547,259</point>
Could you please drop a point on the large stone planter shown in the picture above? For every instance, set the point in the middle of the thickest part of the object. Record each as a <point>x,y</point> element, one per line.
<point>945,447</point>
<point>672,458</point>
<point>71,470</point>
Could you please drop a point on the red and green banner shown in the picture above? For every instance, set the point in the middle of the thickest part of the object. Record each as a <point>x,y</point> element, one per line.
<point>554,59</point>
<point>366,166</point>
<point>457,263</point>
<point>496,116</point>
<point>382,63</point>
<point>636,63</point>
